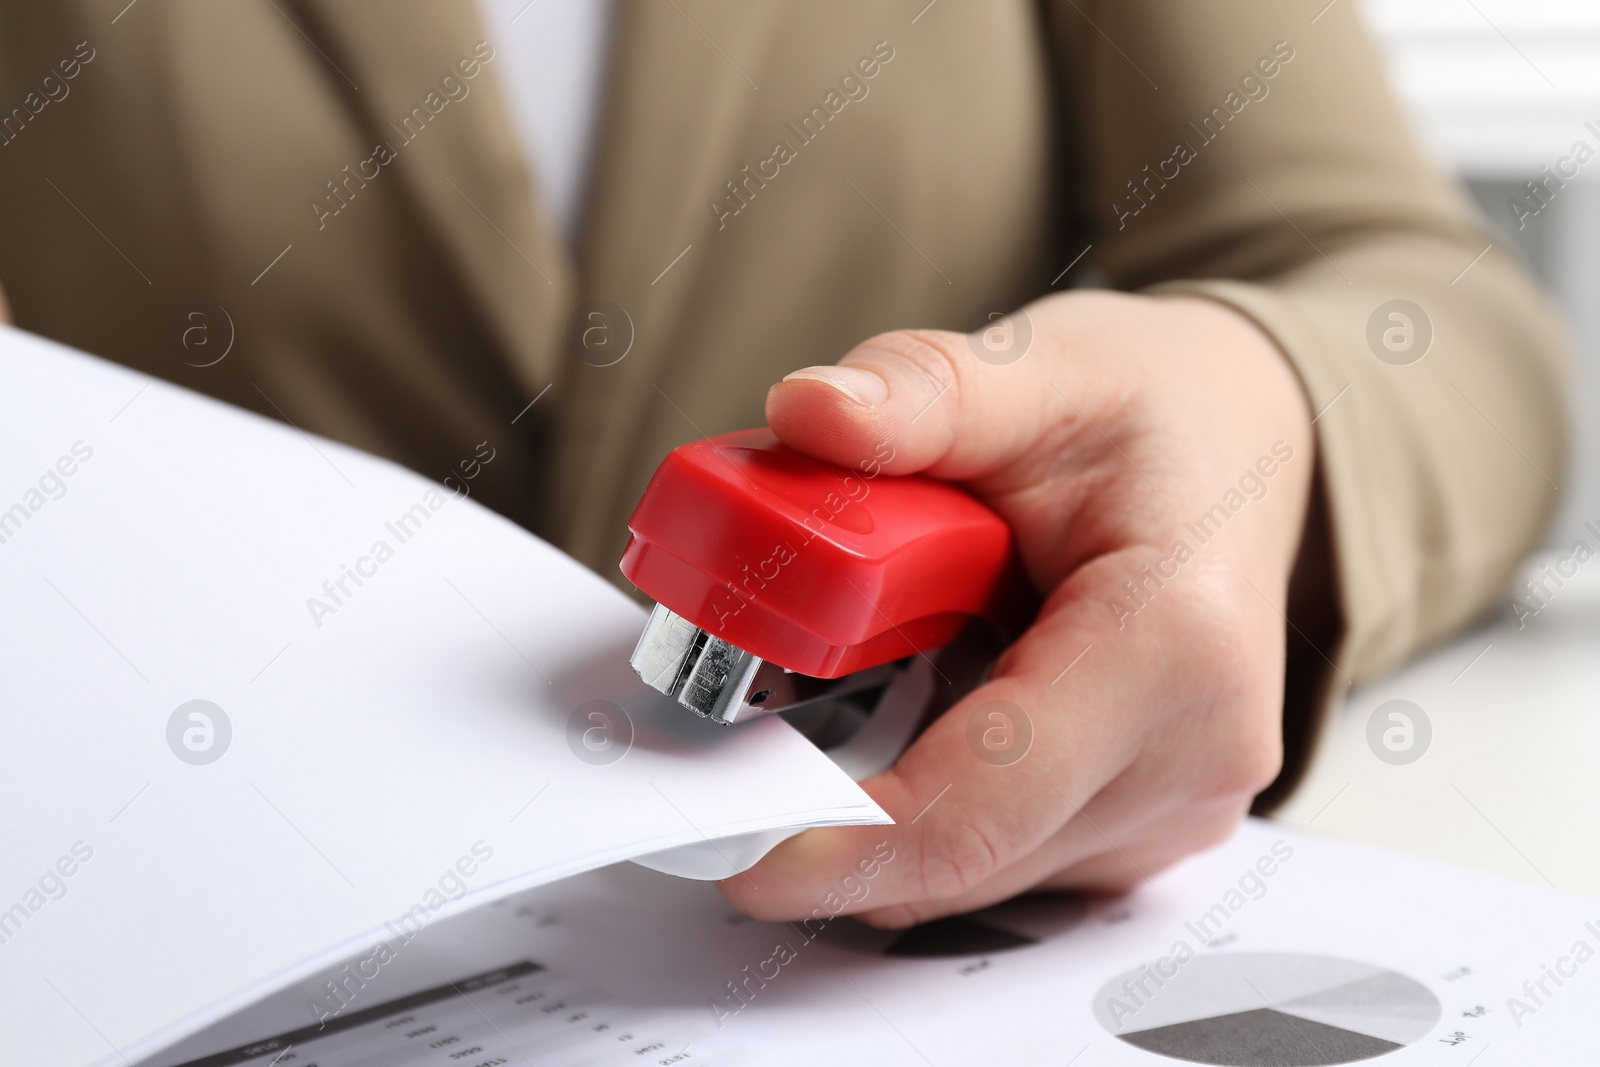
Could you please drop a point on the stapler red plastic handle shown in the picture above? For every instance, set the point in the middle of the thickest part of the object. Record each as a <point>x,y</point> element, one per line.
<point>767,564</point>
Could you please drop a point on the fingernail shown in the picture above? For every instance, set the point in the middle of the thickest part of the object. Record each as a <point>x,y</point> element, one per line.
<point>861,386</point>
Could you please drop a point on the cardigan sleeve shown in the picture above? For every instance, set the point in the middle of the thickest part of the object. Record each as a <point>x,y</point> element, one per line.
<point>1252,152</point>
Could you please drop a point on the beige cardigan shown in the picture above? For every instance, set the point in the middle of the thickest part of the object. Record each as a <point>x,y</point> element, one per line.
<point>333,188</point>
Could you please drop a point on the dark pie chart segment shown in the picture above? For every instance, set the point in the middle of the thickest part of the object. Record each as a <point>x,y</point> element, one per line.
<point>1019,923</point>
<point>955,936</point>
<point>1267,1009</point>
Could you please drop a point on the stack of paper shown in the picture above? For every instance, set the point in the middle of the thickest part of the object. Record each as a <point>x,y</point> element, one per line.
<point>1276,949</point>
<point>268,700</point>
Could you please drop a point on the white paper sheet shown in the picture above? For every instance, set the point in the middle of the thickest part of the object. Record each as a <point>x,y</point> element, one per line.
<point>411,751</point>
<point>1275,948</point>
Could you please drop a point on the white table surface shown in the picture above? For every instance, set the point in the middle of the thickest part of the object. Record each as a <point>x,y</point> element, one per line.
<point>1509,781</point>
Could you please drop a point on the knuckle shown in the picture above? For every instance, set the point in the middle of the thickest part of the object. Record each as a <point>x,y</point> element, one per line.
<point>1207,824</point>
<point>955,860</point>
<point>1217,612</point>
<point>1249,764</point>
<point>1224,652</point>
<point>1239,688</point>
<point>1220,826</point>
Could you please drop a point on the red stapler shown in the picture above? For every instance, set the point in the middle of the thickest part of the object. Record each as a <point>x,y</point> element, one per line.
<point>781,581</point>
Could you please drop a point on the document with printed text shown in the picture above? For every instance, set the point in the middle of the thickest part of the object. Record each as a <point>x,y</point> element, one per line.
<point>1275,949</point>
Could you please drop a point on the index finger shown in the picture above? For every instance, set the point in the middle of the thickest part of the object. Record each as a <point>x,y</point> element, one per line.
<point>968,802</point>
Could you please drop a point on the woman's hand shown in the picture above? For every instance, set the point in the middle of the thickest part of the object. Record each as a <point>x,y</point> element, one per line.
<point>1153,456</point>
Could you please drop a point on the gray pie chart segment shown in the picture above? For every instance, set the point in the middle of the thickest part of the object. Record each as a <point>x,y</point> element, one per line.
<point>1225,983</point>
<point>1262,1038</point>
<point>1388,1005</point>
<point>1277,1008</point>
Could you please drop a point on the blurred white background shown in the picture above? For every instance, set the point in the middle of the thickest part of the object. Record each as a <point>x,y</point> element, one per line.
<point>1501,89</point>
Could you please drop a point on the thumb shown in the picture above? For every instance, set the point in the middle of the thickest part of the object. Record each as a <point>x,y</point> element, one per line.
<point>927,395</point>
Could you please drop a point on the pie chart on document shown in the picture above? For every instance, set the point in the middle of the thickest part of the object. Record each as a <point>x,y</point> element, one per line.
<point>1241,1009</point>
